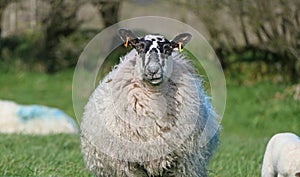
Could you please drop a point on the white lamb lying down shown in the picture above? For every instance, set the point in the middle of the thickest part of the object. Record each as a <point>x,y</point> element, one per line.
<point>34,119</point>
<point>282,156</point>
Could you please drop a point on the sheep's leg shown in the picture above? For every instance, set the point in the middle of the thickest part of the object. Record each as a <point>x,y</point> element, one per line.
<point>186,169</point>
<point>268,172</point>
<point>267,169</point>
<point>133,169</point>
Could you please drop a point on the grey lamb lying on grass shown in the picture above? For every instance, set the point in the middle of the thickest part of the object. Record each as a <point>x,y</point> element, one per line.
<point>148,115</point>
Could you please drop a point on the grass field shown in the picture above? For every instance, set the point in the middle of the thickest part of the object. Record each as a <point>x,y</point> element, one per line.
<point>253,114</point>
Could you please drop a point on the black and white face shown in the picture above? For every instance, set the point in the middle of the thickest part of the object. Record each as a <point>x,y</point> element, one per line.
<point>154,52</point>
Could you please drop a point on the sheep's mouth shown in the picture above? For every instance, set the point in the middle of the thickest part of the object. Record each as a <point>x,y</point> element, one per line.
<point>155,81</point>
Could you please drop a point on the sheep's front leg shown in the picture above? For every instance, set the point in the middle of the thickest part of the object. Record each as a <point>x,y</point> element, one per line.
<point>133,169</point>
<point>267,170</point>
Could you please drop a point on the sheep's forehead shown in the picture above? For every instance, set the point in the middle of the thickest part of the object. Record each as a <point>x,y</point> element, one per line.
<point>155,41</point>
<point>155,38</point>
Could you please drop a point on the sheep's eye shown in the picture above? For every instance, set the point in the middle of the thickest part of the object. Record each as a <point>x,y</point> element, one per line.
<point>140,46</point>
<point>167,49</point>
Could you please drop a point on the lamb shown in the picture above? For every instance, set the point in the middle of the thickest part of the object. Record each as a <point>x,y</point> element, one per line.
<point>282,156</point>
<point>148,116</point>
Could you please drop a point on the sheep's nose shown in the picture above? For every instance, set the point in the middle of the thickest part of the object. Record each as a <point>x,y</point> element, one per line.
<point>153,69</point>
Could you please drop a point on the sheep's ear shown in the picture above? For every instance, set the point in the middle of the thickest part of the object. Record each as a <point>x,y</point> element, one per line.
<point>128,37</point>
<point>297,174</point>
<point>181,40</point>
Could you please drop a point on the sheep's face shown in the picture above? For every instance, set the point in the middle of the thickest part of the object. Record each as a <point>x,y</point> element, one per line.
<point>154,53</point>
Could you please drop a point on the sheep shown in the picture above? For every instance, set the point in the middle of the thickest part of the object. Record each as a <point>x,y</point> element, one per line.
<point>282,156</point>
<point>34,119</point>
<point>147,117</point>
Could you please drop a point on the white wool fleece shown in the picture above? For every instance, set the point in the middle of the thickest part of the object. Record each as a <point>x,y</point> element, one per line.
<point>159,131</point>
<point>282,156</point>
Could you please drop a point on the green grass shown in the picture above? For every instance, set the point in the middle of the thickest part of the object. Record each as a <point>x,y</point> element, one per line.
<point>37,88</point>
<point>253,114</point>
<point>54,155</point>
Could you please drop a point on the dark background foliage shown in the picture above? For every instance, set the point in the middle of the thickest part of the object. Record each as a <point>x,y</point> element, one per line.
<point>258,36</point>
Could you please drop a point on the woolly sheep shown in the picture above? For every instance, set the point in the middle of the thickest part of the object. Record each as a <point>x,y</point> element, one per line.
<point>34,119</point>
<point>147,117</point>
<point>282,156</point>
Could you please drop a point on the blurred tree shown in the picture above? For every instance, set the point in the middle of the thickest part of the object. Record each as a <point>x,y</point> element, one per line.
<point>207,11</point>
<point>109,10</point>
<point>3,5</point>
<point>276,26</point>
<point>269,29</point>
<point>60,22</point>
